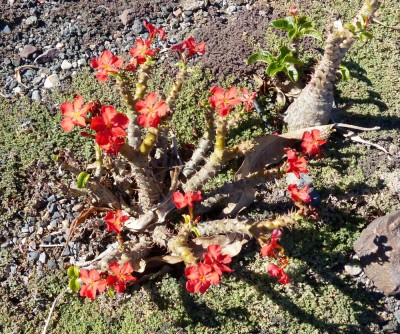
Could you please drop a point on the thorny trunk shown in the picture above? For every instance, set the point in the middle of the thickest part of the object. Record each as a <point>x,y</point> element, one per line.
<point>314,104</point>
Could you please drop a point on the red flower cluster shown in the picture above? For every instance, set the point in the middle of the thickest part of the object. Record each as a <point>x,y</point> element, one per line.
<point>224,101</point>
<point>296,164</point>
<point>273,250</point>
<point>183,200</point>
<point>301,195</point>
<point>106,64</point>
<point>74,113</point>
<point>151,111</point>
<point>191,47</point>
<point>142,49</point>
<point>311,142</point>
<point>115,220</point>
<point>110,128</point>
<point>209,272</point>
<point>95,282</point>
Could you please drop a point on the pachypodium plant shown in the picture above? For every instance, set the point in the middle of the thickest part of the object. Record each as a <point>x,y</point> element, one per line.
<point>140,181</point>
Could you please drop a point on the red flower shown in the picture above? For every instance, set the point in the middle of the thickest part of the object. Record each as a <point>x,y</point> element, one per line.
<point>296,165</point>
<point>187,199</point>
<point>93,283</point>
<point>293,10</point>
<point>222,100</point>
<point>278,272</point>
<point>299,195</point>
<point>200,278</point>
<point>141,51</point>
<point>115,221</point>
<point>121,276</point>
<point>191,47</point>
<point>248,99</point>
<point>270,249</point>
<point>216,260</point>
<point>311,142</point>
<point>151,110</point>
<point>106,64</point>
<point>153,31</point>
<point>73,113</point>
<point>110,127</point>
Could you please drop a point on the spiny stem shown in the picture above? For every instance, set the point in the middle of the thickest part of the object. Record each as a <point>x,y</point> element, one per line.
<point>134,134</point>
<point>177,86</point>
<point>143,77</point>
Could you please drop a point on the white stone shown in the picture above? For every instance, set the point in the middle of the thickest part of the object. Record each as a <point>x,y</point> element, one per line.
<point>51,81</point>
<point>66,65</point>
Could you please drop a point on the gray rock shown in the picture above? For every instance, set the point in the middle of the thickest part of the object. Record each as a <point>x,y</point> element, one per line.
<point>52,264</point>
<point>353,270</point>
<point>193,4</point>
<point>48,239</point>
<point>51,198</point>
<point>81,62</point>
<point>47,56</point>
<point>137,27</point>
<point>66,65</point>
<point>397,316</point>
<point>378,248</point>
<point>304,180</point>
<point>53,224</point>
<point>51,81</point>
<point>31,20</point>
<point>4,244</point>
<point>5,29</point>
<point>33,256</point>
<point>127,16</point>
<point>36,96</point>
<point>27,51</point>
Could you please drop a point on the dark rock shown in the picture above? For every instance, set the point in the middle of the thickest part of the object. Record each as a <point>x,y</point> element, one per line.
<point>47,56</point>
<point>27,51</point>
<point>52,207</point>
<point>378,248</point>
<point>48,239</point>
<point>51,199</point>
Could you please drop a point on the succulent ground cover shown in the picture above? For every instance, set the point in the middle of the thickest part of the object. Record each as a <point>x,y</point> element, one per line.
<point>357,186</point>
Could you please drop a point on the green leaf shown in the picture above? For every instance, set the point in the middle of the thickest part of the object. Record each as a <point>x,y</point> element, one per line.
<point>283,52</point>
<point>82,179</point>
<point>306,25</point>
<point>274,68</point>
<point>293,60</point>
<point>292,34</point>
<point>282,24</point>
<point>344,73</point>
<point>73,272</point>
<point>74,284</point>
<point>358,25</point>
<point>292,73</point>
<point>111,293</point>
<point>367,35</point>
<point>351,27</point>
<point>312,33</point>
<point>263,56</point>
<point>303,20</point>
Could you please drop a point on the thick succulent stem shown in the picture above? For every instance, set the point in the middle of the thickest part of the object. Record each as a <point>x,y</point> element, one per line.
<point>143,77</point>
<point>99,160</point>
<point>127,98</point>
<point>204,145</point>
<point>177,86</point>
<point>225,226</point>
<point>314,104</point>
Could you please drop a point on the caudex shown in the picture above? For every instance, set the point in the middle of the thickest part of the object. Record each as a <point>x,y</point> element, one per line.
<point>139,182</point>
